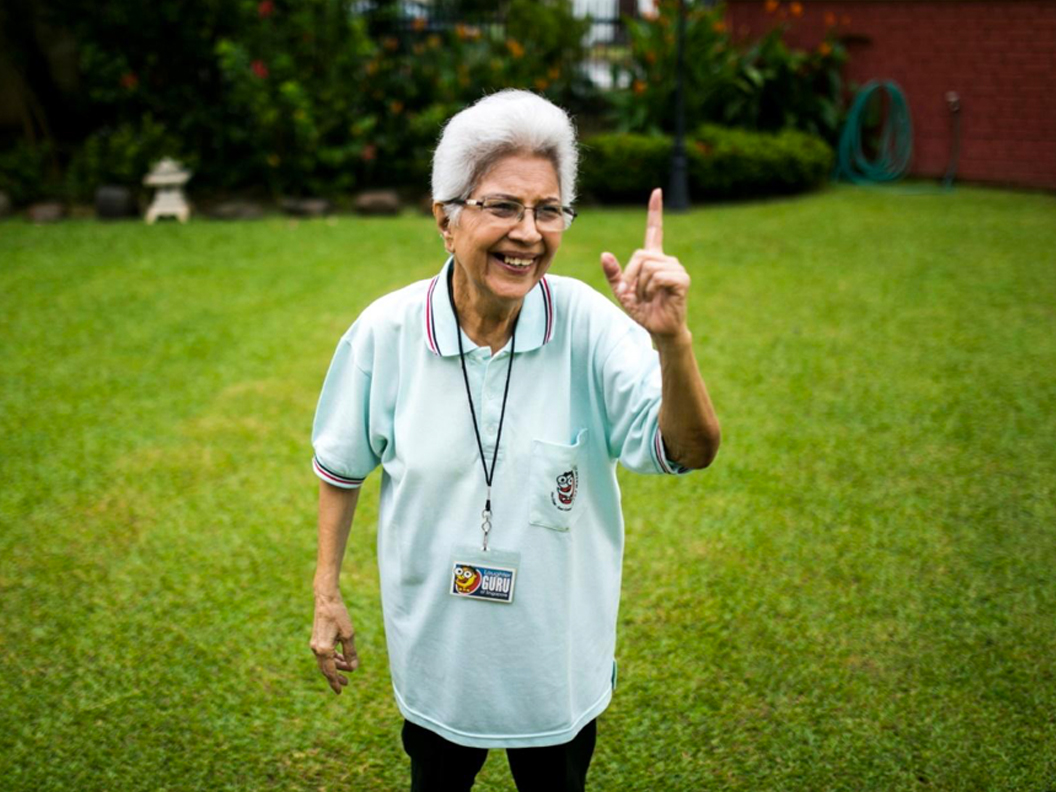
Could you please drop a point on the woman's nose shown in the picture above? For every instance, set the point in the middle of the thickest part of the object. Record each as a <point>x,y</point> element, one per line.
<point>526,229</point>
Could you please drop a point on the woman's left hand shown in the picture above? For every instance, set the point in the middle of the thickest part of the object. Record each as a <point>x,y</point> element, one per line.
<point>652,290</point>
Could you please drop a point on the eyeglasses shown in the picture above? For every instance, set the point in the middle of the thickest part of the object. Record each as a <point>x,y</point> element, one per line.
<point>507,211</point>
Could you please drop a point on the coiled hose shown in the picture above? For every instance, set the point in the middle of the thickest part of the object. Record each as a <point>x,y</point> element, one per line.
<point>896,138</point>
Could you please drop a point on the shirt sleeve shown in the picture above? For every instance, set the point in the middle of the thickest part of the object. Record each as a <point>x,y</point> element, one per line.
<point>341,432</point>
<point>631,385</point>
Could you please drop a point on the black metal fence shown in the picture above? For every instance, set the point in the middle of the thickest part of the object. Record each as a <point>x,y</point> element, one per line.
<point>605,42</point>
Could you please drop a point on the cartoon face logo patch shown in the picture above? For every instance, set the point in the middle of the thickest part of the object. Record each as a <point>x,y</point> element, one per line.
<point>564,495</point>
<point>467,579</point>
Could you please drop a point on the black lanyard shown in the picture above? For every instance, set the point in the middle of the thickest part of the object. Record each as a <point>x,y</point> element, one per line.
<point>485,515</point>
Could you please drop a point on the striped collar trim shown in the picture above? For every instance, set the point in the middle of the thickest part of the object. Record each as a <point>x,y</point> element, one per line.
<point>534,328</point>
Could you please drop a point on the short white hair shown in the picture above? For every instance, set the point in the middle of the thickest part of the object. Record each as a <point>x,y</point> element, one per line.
<point>507,122</point>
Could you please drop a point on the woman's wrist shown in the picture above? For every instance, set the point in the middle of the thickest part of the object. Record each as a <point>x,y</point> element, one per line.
<point>326,588</point>
<point>683,339</point>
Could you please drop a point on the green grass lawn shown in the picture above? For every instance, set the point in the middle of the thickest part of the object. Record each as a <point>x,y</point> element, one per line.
<point>859,594</point>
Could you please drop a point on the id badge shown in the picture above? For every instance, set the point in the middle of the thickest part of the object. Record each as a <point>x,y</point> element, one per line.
<point>485,576</point>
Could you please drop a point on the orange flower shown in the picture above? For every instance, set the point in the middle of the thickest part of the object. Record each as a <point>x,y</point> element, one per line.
<point>638,87</point>
<point>418,49</point>
<point>830,19</point>
<point>796,8</point>
<point>541,84</point>
<point>719,27</point>
<point>372,67</point>
<point>650,57</point>
<point>433,41</point>
<point>772,6</point>
<point>390,43</point>
<point>396,106</point>
<point>460,31</point>
<point>419,24</point>
<point>515,48</point>
<point>824,49</point>
<point>553,73</point>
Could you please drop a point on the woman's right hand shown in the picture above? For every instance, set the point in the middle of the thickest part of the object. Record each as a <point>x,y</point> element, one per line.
<point>331,626</point>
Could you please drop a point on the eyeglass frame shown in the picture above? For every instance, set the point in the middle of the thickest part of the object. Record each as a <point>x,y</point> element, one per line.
<point>569,213</point>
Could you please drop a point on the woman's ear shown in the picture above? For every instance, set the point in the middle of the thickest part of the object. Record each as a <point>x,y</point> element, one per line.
<point>443,225</point>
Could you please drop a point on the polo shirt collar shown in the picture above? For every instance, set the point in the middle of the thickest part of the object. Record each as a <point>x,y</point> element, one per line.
<point>535,326</point>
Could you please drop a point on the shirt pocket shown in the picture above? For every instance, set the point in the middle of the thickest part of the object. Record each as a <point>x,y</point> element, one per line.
<point>555,498</point>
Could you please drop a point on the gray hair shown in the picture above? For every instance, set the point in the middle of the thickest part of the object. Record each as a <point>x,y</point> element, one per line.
<point>506,122</point>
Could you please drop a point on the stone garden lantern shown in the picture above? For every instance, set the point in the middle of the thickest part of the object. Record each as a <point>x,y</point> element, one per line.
<point>168,177</point>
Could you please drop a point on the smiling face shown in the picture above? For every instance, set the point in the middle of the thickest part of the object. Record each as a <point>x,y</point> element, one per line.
<point>498,263</point>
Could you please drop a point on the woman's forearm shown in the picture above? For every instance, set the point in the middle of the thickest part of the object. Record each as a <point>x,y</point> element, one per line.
<point>687,418</point>
<point>336,509</point>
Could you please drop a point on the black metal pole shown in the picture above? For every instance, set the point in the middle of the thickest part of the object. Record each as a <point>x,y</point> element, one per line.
<point>677,198</point>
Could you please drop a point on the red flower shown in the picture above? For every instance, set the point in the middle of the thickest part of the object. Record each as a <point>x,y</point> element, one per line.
<point>266,8</point>
<point>259,69</point>
<point>370,151</point>
<point>129,81</point>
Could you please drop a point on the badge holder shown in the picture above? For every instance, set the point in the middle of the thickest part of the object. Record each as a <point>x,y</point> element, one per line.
<point>485,575</point>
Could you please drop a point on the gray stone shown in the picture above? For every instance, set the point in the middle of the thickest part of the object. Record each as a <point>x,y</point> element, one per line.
<point>306,207</point>
<point>113,202</point>
<point>45,212</point>
<point>5,204</point>
<point>237,210</point>
<point>378,202</point>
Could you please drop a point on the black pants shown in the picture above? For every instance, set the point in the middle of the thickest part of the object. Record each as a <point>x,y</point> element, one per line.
<point>438,765</point>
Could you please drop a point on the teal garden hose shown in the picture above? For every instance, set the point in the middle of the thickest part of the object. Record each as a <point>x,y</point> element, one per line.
<point>896,138</point>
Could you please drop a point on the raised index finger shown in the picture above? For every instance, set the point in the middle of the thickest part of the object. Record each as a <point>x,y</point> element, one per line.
<point>654,222</point>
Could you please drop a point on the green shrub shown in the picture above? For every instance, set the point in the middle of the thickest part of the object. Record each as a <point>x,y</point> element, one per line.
<point>763,85</point>
<point>623,167</point>
<point>318,97</point>
<point>28,173</point>
<point>738,163</point>
<point>723,163</point>
<point>122,155</point>
<point>414,81</point>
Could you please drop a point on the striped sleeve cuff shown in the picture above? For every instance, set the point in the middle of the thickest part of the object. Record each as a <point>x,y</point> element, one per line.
<point>330,477</point>
<point>662,462</point>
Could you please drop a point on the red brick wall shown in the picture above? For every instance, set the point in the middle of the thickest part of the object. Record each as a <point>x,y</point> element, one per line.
<point>999,55</point>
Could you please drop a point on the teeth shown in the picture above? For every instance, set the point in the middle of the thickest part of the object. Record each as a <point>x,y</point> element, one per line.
<point>518,262</point>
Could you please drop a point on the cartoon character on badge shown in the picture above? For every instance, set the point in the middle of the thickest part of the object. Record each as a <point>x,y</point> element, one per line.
<point>467,579</point>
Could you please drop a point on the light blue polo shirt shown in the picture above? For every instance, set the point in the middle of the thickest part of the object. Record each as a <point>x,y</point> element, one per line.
<point>584,394</point>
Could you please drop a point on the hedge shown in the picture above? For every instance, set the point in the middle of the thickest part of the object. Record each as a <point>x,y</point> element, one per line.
<point>723,163</point>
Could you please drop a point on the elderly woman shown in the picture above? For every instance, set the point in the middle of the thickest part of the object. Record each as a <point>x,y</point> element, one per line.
<point>497,400</point>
